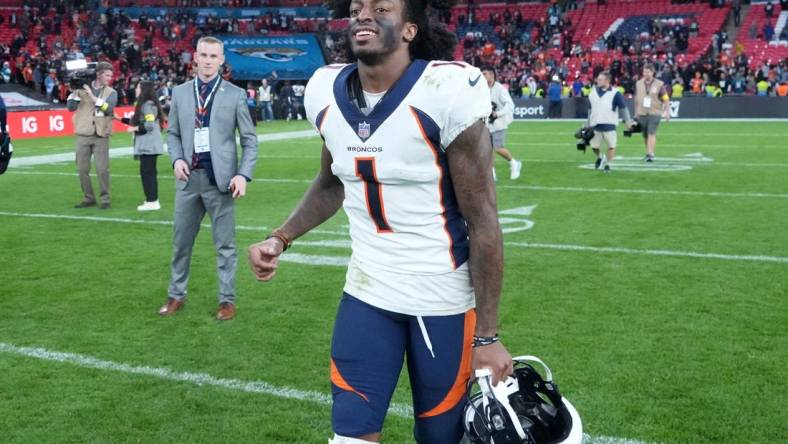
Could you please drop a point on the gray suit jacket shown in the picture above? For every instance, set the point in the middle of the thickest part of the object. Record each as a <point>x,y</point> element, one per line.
<point>228,113</point>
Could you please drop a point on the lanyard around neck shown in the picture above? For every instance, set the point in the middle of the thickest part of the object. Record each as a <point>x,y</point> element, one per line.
<point>201,106</point>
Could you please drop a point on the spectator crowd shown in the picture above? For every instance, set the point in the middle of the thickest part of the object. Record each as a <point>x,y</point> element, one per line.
<point>529,54</point>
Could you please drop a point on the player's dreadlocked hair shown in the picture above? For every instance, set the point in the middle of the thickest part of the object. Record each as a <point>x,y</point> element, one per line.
<point>433,41</point>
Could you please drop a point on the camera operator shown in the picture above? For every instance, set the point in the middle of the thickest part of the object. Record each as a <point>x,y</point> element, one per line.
<point>94,104</point>
<point>607,104</point>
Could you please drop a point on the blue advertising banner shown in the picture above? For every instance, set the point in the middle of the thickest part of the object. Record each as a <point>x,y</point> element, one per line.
<point>293,57</point>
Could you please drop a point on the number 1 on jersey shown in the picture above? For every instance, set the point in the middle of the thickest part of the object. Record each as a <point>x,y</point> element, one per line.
<point>373,190</point>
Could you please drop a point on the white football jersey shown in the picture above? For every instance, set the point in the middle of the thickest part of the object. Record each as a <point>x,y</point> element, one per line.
<point>410,242</point>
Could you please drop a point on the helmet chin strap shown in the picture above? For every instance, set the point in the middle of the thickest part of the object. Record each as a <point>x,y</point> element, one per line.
<point>500,392</point>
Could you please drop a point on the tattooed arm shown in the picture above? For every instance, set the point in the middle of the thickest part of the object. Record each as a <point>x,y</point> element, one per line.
<point>321,201</point>
<point>470,164</point>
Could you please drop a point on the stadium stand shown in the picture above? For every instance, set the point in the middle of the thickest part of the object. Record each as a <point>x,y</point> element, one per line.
<point>753,40</point>
<point>528,42</point>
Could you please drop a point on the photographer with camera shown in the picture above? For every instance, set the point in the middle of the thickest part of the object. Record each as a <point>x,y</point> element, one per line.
<point>93,103</point>
<point>607,105</point>
<point>499,120</point>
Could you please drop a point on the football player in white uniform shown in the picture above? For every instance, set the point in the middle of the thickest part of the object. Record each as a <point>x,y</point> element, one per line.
<point>407,155</point>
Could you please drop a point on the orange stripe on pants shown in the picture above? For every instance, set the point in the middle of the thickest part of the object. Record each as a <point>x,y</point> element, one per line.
<point>339,381</point>
<point>457,391</point>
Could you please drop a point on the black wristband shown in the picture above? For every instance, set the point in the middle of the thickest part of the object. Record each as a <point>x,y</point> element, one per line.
<point>481,341</point>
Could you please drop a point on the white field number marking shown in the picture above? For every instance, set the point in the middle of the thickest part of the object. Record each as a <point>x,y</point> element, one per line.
<point>515,220</point>
<point>660,164</point>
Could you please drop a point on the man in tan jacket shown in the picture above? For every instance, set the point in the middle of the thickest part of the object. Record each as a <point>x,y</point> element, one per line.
<point>93,106</point>
<point>651,104</point>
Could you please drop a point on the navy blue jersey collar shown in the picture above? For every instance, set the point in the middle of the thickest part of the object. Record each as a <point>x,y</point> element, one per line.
<point>365,126</point>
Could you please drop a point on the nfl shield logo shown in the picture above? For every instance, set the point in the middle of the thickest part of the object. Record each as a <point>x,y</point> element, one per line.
<point>363,130</point>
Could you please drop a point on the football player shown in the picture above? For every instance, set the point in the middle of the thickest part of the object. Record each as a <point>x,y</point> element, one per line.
<point>407,154</point>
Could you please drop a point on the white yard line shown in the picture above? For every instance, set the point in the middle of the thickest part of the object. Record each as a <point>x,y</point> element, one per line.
<point>650,252</point>
<point>128,151</point>
<point>137,176</point>
<point>203,379</point>
<point>339,261</point>
<point>521,187</point>
<point>259,228</point>
<point>526,161</point>
<point>340,243</point>
<point>645,191</point>
<point>569,143</point>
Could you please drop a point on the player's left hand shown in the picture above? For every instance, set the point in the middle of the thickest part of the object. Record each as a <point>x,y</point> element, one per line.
<point>132,129</point>
<point>496,358</point>
<point>238,186</point>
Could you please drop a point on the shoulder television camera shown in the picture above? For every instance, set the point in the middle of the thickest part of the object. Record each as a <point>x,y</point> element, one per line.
<point>635,128</point>
<point>80,73</point>
<point>584,136</point>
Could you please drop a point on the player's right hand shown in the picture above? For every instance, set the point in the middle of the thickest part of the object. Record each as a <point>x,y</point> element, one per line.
<point>494,357</point>
<point>264,258</point>
<point>181,169</point>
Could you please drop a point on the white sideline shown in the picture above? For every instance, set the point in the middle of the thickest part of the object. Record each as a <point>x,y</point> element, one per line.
<point>311,259</point>
<point>569,247</point>
<point>519,187</point>
<point>128,151</point>
<point>200,379</point>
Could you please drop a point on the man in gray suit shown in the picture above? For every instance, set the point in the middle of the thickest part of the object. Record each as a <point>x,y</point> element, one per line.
<point>203,119</point>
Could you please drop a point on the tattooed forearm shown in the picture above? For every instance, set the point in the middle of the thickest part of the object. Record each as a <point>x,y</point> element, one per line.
<point>470,163</point>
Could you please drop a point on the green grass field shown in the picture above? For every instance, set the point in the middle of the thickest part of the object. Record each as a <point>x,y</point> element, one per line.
<point>657,295</point>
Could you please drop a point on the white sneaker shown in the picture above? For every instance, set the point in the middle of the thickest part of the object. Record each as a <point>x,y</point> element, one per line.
<point>516,166</point>
<point>149,206</point>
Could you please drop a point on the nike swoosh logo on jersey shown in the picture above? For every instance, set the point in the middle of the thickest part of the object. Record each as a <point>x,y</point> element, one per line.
<point>475,81</point>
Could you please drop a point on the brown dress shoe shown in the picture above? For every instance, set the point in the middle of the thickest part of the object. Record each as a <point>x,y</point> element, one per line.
<point>226,311</point>
<point>171,306</point>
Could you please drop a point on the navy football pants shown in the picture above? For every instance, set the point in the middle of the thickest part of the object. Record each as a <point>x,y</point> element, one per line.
<point>367,352</point>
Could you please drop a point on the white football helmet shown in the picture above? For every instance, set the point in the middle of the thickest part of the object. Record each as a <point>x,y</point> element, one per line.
<point>524,409</point>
